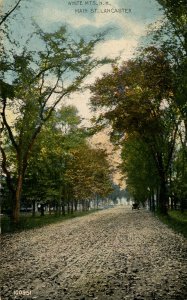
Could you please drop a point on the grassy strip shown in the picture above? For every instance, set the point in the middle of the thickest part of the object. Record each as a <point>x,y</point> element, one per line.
<point>29,222</point>
<point>176,220</point>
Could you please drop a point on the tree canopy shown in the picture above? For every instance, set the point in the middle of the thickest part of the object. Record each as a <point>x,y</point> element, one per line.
<point>137,101</point>
<point>33,83</point>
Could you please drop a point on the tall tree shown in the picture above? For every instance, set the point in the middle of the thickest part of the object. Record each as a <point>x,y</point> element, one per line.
<point>138,166</point>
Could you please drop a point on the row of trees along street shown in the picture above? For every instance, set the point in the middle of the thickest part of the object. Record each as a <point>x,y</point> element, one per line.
<point>145,105</point>
<point>63,171</point>
<point>45,153</point>
<point>43,145</point>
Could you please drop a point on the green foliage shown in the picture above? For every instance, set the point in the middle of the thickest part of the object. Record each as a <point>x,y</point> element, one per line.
<point>88,173</point>
<point>47,164</point>
<point>179,178</point>
<point>176,12</point>
<point>171,39</point>
<point>139,168</point>
<point>176,220</point>
<point>63,168</point>
<point>133,93</point>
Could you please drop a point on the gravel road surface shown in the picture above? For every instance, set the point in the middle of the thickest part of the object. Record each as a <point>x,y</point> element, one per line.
<point>111,254</point>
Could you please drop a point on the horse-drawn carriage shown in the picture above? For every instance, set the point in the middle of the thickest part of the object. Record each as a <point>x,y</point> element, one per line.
<point>135,206</point>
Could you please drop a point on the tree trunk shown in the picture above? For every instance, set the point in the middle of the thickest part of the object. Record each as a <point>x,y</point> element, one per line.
<point>172,202</point>
<point>58,208</point>
<point>16,205</point>
<point>42,210</point>
<point>63,208</point>
<point>33,208</point>
<point>185,124</point>
<point>163,197</point>
<point>163,193</point>
<point>83,205</point>
<point>72,207</point>
<point>182,205</point>
<point>149,202</point>
<point>153,200</point>
<point>68,207</point>
<point>76,205</point>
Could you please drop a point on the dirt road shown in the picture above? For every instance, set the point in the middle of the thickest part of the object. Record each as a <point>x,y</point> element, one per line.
<point>112,254</point>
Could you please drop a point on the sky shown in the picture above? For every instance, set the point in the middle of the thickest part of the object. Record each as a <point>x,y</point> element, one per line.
<point>125,21</point>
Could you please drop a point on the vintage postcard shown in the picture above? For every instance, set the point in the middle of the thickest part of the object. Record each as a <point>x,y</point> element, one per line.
<point>93,149</point>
